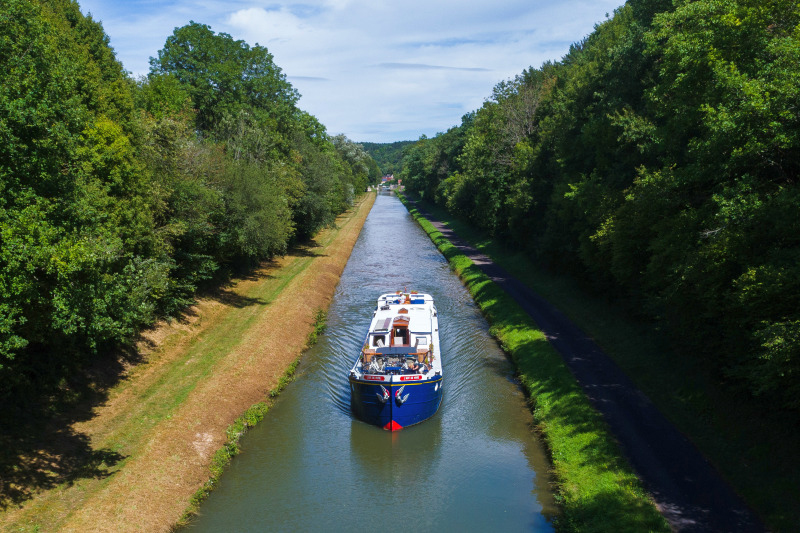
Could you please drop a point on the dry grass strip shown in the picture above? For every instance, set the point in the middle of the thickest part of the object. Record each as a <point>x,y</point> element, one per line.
<point>167,456</point>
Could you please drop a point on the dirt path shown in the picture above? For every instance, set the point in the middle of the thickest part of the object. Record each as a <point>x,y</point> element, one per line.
<point>688,491</point>
<point>170,415</point>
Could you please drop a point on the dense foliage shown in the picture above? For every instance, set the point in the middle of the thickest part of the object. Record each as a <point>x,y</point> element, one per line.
<point>388,156</point>
<point>659,161</point>
<point>120,198</point>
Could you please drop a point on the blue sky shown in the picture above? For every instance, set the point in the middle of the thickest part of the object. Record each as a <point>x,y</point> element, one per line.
<point>374,70</point>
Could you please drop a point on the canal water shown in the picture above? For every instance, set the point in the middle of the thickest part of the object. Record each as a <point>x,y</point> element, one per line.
<point>475,466</point>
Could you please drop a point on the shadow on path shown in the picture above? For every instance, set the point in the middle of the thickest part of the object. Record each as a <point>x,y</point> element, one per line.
<point>687,489</point>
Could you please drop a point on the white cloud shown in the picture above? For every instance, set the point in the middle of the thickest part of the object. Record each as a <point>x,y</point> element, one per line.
<point>374,70</point>
<point>273,25</point>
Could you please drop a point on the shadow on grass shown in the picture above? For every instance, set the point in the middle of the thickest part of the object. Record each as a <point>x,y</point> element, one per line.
<point>306,249</point>
<point>597,486</point>
<point>44,459</point>
<point>238,301</point>
<point>39,449</point>
<point>44,393</point>
<point>605,511</point>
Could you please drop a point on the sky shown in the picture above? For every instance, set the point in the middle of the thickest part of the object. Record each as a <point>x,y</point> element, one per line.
<point>374,70</point>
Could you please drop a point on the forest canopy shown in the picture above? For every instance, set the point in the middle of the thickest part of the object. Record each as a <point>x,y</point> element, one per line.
<point>120,198</point>
<point>388,156</point>
<point>657,161</point>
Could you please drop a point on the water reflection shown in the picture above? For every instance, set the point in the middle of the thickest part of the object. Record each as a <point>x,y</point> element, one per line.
<point>475,465</point>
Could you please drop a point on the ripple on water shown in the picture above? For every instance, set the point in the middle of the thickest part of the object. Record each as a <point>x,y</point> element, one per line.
<point>475,465</point>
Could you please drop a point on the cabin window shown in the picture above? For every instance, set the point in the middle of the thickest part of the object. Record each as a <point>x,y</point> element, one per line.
<point>379,340</point>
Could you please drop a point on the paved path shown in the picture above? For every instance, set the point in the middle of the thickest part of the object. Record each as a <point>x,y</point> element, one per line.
<point>688,491</point>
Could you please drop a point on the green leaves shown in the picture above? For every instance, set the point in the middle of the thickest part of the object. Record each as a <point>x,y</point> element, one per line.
<point>658,161</point>
<point>223,75</point>
<point>113,215</point>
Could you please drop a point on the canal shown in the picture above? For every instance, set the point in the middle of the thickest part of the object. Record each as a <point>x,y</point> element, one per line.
<point>476,465</point>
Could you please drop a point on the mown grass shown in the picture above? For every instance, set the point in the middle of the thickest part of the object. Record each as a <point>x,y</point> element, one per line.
<point>753,446</point>
<point>255,414</point>
<point>230,449</point>
<point>596,487</point>
<point>165,396</point>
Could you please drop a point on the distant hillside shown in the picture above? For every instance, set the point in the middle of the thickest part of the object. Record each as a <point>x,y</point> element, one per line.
<point>387,155</point>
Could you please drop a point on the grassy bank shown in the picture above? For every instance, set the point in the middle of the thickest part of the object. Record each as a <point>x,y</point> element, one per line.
<point>173,421</point>
<point>249,419</point>
<point>597,490</point>
<point>753,446</point>
<point>234,433</point>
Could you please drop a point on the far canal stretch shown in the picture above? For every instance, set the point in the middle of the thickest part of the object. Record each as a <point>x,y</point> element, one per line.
<point>475,466</point>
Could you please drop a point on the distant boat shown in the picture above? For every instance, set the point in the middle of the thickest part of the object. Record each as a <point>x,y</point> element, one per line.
<point>397,379</point>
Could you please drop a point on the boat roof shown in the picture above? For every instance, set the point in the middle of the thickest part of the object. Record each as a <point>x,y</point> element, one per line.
<point>395,350</point>
<point>413,312</point>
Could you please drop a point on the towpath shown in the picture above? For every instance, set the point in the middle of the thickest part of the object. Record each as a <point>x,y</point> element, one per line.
<point>687,489</point>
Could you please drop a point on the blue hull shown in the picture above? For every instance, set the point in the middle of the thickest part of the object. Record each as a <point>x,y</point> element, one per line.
<point>422,400</point>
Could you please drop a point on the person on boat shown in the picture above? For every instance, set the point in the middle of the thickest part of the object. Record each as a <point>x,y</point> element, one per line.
<point>416,367</point>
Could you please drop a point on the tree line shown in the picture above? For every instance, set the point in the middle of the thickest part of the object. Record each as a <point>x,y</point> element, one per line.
<point>121,197</point>
<point>388,156</point>
<point>657,161</point>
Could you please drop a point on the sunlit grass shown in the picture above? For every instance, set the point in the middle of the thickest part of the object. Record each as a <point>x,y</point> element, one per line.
<point>753,446</point>
<point>188,355</point>
<point>597,489</point>
<point>223,456</point>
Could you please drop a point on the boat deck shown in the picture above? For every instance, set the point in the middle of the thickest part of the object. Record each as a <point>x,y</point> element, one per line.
<point>396,380</point>
<point>403,337</point>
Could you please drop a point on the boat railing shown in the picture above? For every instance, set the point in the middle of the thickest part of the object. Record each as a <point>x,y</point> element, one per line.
<point>410,363</point>
<point>422,355</point>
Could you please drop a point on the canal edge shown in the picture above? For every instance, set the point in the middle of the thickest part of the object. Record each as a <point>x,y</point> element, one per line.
<point>223,456</point>
<point>573,472</point>
<point>252,416</point>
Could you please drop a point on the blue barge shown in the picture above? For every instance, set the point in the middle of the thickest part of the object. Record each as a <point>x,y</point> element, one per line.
<point>396,380</point>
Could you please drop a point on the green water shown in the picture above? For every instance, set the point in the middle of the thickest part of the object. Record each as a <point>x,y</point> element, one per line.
<point>475,466</point>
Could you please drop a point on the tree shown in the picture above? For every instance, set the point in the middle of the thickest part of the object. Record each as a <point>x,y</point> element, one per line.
<point>224,76</point>
<point>657,161</point>
<point>79,257</point>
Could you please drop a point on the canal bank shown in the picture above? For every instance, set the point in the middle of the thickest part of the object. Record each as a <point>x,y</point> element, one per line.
<point>597,488</point>
<point>687,489</point>
<point>170,414</point>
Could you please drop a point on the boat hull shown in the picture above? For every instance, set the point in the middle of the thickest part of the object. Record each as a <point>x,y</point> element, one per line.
<point>408,402</point>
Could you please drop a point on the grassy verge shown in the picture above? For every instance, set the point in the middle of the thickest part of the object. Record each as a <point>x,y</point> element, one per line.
<point>255,414</point>
<point>597,489</point>
<point>235,431</point>
<point>753,446</point>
